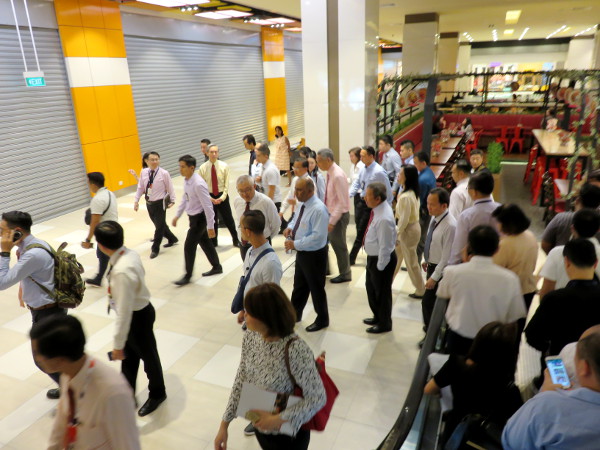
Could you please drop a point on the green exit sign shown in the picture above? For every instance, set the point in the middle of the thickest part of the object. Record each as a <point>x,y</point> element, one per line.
<point>34,79</point>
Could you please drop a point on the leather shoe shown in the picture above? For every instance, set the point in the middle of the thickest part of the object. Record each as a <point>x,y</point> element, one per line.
<point>340,279</point>
<point>53,394</point>
<point>182,282</point>
<point>93,282</point>
<point>151,405</point>
<point>153,255</point>
<point>214,271</point>
<point>370,321</point>
<point>352,261</point>
<point>170,244</point>
<point>414,295</point>
<point>403,269</point>
<point>315,327</point>
<point>377,329</point>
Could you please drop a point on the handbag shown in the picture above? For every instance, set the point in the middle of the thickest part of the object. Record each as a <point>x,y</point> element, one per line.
<point>319,420</point>
<point>88,212</point>
<point>237,304</point>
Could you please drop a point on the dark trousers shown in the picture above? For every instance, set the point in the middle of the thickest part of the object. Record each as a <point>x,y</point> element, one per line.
<point>337,239</point>
<point>282,441</point>
<point>158,216</point>
<point>197,234</point>
<point>309,279</point>
<point>428,300</point>
<point>224,208</point>
<point>102,265</point>
<point>36,316</point>
<point>363,213</point>
<point>379,289</point>
<point>141,345</point>
<point>457,344</point>
<point>424,218</point>
<point>528,298</point>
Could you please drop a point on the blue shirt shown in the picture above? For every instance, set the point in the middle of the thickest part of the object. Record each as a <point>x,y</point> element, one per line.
<point>319,180</point>
<point>380,238</point>
<point>372,174</point>
<point>427,182</point>
<point>391,163</point>
<point>564,420</point>
<point>36,263</point>
<point>311,234</point>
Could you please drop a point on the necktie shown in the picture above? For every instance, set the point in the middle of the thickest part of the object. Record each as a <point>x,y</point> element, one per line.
<point>244,242</point>
<point>149,185</point>
<point>326,187</point>
<point>297,223</point>
<point>215,181</point>
<point>368,226</point>
<point>428,239</point>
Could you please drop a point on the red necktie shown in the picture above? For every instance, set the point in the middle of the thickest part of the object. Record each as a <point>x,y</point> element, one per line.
<point>326,187</point>
<point>215,181</point>
<point>367,230</point>
<point>297,223</point>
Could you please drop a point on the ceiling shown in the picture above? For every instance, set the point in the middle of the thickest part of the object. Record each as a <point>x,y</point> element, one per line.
<point>476,17</point>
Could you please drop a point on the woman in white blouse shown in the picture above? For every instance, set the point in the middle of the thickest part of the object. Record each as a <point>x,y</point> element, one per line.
<point>355,168</point>
<point>270,318</point>
<point>409,230</point>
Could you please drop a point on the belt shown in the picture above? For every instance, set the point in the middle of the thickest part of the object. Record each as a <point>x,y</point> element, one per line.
<point>154,202</point>
<point>48,306</point>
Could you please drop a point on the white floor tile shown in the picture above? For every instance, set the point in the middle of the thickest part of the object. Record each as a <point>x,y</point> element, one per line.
<point>232,263</point>
<point>222,367</point>
<point>21,324</point>
<point>74,237</point>
<point>124,220</point>
<point>18,363</point>
<point>40,228</point>
<point>346,352</point>
<point>407,308</point>
<point>25,416</point>
<point>98,308</point>
<point>172,346</point>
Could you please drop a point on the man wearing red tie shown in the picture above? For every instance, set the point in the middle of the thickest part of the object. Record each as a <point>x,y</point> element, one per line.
<point>216,175</point>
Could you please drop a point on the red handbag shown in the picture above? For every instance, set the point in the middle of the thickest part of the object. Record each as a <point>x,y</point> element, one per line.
<point>319,420</point>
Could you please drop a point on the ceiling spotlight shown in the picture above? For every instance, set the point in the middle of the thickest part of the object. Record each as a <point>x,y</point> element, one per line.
<point>182,9</point>
<point>189,8</point>
<point>196,8</point>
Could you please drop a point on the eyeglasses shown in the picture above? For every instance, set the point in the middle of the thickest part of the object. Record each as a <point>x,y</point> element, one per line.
<point>245,191</point>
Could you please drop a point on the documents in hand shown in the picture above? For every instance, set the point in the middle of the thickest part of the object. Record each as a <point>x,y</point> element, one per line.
<point>253,397</point>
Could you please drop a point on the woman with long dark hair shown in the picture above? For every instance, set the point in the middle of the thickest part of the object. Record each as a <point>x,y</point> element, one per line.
<point>283,153</point>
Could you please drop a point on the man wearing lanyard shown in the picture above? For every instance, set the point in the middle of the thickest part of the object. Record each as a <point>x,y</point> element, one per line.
<point>307,233</point>
<point>130,298</point>
<point>196,202</point>
<point>216,175</point>
<point>156,185</point>
<point>97,410</point>
<point>33,266</point>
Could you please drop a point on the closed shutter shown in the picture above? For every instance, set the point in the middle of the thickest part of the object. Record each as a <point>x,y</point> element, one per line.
<point>41,163</point>
<point>294,93</point>
<point>187,91</point>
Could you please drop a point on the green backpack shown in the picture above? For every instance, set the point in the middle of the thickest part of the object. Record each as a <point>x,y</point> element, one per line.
<point>68,284</point>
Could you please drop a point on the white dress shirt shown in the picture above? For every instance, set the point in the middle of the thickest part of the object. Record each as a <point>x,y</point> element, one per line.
<point>104,408</point>
<point>100,203</point>
<point>162,184</point>
<point>267,270</point>
<point>460,198</point>
<point>380,238</point>
<point>196,200</point>
<point>319,179</point>
<point>554,267</point>
<point>263,204</point>
<point>292,195</point>
<point>128,291</point>
<point>355,170</point>
<point>270,177</point>
<point>368,175</point>
<point>222,170</point>
<point>441,242</point>
<point>480,292</point>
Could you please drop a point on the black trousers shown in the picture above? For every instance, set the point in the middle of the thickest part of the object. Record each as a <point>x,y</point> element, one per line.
<point>224,208</point>
<point>102,265</point>
<point>428,300</point>
<point>379,289</point>
<point>197,234</point>
<point>41,314</point>
<point>457,344</point>
<point>282,441</point>
<point>309,279</point>
<point>362,214</point>
<point>141,345</point>
<point>424,218</point>
<point>158,216</point>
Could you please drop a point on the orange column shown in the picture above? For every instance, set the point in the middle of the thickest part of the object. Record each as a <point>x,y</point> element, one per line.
<point>94,49</point>
<point>274,75</point>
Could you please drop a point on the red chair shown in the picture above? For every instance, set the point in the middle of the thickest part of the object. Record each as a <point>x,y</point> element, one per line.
<point>503,138</point>
<point>533,152</point>
<point>518,140</point>
<point>538,178</point>
<point>470,146</point>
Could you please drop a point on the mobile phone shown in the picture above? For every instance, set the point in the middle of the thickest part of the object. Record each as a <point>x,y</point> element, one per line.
<point>110,356</point>
<point>558,371</point>
<point>17,235</point>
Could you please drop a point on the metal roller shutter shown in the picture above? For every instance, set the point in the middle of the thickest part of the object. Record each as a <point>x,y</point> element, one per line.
<point>186,91</point>
<point>41,164</point>
<point>294,93</point>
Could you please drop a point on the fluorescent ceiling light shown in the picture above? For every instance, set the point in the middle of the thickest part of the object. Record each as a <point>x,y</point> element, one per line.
<point>495,35</point>
<point>213,15</point>
<point>586,30</point>
<point>281,20</point>
<point>556,31</point>
<point>509,31</point>
<point>523,33</point>
<point>294,29</point>
<point>512,17</point>
<point>262,22</point>
<point>166,3</point>
<point>233,13</point>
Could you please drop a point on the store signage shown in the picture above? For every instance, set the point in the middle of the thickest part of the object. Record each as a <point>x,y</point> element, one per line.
<point>34,79</point>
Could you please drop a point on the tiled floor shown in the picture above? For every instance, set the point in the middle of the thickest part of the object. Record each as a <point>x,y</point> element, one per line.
<point>199,343</point>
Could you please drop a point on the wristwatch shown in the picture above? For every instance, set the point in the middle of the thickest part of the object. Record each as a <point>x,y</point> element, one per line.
<point>5,254</point>
<point>88,241</point>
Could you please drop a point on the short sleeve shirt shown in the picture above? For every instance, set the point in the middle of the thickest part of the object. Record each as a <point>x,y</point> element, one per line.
<point>100,203</point>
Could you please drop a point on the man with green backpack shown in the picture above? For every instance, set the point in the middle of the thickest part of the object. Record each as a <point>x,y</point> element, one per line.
<point>49,281</point>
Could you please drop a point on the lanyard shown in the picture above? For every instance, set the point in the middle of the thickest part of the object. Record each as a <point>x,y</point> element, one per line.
<point>71,432</point>
<point>111,303</point>
<point>436,223</point>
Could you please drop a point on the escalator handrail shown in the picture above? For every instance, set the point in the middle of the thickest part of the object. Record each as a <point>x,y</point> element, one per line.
<point>397,435</point>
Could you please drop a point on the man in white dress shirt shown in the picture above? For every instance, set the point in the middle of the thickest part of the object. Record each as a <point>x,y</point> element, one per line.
<point>390,161</point>
<point>269,177</point>
<point>300,171</point>
<point>251,199</point>
<point>130,299</point>
<point>103,413</point>
<point>460,198</point>
<point>380,239</point>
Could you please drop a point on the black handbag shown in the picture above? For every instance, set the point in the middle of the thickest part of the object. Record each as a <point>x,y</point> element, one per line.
<point>237,304</point>
<point>88,212</point>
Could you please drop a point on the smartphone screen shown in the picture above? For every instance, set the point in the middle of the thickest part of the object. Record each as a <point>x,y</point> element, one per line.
<point>557,370</point>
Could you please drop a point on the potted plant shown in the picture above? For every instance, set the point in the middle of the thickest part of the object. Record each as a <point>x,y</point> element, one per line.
<point>495,150</point>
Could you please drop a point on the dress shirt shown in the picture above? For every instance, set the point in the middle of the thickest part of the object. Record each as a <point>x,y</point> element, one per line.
<point>427,182</point>
<point>105,410</point>
<point>161,186</point>
<point>557,419</point>
<point>222,176</point>
<point>319,180</point>
<point>100,203</point>
<point>410,161</point>
<point>270,177</point>
<point>519,253</point>
<point>265,205</point>
<point>554,267</point>
<point>372,174</point>
<point>407,210</point>
<point>292,195</point>
<point>558,231</point>
<point>311,234</point>
<point>267,270</point>
<point>391,163</point>
<point>480,292</point>
<point>196,199</point>
<point>460,198</point>
<point>35,263</point>
<point>478,214</point>
<point>380,239</point>
<point>336,194</point>
<point>441,242</point>
<point>126,278</point>
<point>255,170</point>
<point>355,171</point>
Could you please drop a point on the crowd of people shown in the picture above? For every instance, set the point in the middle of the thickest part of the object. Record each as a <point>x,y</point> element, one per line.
<point>461,245</point>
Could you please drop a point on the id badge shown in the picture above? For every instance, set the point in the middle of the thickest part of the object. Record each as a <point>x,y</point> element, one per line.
<point>149,191</point>
<point>71,437</point>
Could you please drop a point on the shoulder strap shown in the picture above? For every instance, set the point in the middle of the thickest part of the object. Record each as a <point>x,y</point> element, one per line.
<point>258,258</point>
<point>287,360</point>
<point>110,194</point>
<point>51,253</point>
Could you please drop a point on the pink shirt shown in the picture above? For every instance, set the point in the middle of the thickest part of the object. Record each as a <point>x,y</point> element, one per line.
<point>336,193</point>
<point>161,186</point>
<point>196,199</point>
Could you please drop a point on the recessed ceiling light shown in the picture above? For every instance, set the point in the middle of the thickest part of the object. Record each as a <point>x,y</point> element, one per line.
<point>166,3</point>
<point>509,31</point>
<point>523,33</point>
<point>233,13</point>
<point>512,17</point>
<point>212,15</point>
